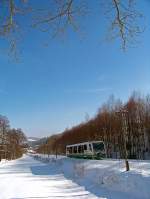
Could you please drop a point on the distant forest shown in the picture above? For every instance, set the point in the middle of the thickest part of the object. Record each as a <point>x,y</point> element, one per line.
<point>12,141</point>
<point>115,123</point>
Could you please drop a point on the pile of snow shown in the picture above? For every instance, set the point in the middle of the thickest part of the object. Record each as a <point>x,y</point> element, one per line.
<point>106,176</point>
<point>3,161</point>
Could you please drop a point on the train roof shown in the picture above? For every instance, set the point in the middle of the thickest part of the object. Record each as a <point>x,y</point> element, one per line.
<point>83,143</point>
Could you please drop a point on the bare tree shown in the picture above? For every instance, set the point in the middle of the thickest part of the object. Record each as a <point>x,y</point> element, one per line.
<point>15,143</point>
<point>4,127</point>
<point>56,16</point>
<point>125,22</point>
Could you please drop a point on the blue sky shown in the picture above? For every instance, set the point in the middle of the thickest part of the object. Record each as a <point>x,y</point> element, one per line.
<point>53,87</point>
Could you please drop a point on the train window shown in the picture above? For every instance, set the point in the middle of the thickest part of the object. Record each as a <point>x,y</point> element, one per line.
<point>79,149</point>
<point>85,147</point>
<point>75,149</point>
<point>82,148</point>
<point>90,147</point>
<point>98,146</point>
<point>70,149</point>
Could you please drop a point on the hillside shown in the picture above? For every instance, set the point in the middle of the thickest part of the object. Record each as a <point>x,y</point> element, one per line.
<point>35,142</point>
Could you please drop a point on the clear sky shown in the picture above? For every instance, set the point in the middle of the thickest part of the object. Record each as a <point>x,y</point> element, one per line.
<point>54,87</point>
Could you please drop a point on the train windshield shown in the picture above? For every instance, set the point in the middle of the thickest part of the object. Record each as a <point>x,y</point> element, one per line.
<point>99,146</point>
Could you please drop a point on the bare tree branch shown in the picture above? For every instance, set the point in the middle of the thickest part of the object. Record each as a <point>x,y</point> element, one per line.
<point>125,23</point>
<point>58,15</point>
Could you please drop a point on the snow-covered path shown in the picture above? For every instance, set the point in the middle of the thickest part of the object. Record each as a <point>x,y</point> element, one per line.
<point>27,178</point>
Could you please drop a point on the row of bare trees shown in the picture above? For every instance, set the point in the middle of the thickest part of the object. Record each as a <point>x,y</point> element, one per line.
<point>12,141</point>
<point>107,125</point>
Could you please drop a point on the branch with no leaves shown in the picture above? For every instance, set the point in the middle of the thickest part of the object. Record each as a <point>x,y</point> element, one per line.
<point>125,23</point>
<point>57,15</point>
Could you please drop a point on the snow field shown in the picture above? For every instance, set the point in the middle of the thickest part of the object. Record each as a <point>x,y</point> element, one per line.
<point>108,176</point>
<point>27,178</point>
<point>48,177</point>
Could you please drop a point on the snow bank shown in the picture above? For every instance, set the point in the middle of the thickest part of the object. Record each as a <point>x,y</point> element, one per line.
<point>3,161</point>
<point>107,175</point>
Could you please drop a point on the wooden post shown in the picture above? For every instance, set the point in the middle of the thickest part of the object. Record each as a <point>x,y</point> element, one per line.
<point>125,128</point>
<point>124,113</point>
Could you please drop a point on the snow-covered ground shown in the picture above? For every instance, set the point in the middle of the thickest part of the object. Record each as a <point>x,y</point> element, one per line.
<point>27,178</point>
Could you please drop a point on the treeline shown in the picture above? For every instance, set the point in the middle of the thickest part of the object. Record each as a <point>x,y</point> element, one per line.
<point>12,141</point>
<point>115,123</point>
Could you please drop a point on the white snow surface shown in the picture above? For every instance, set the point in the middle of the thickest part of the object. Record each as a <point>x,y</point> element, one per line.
<point>31,140</point>
<point>47,177</point>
